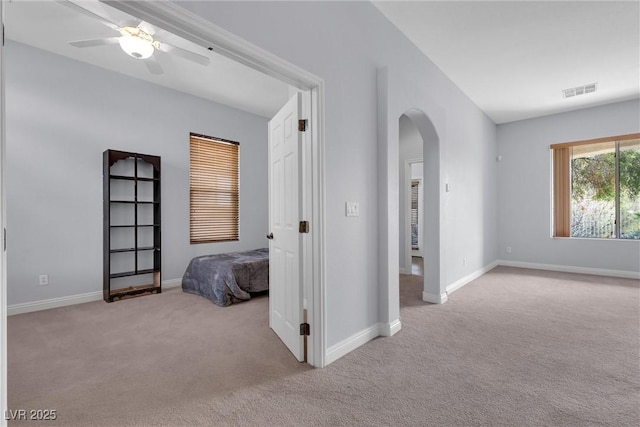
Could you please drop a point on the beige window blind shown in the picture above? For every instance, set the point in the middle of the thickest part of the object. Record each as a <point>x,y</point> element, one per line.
<point>561,192</point>
<point>214,189</point>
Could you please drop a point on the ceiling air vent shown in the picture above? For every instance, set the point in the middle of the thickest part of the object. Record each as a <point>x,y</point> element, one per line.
<point>579,90</point>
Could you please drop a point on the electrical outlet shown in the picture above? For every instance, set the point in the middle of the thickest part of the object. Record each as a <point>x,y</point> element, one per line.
<point>508,249</point>
<point>464,262</point>
<point>44,279</point>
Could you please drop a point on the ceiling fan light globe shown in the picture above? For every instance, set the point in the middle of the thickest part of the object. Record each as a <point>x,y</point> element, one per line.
<point>136,47</point>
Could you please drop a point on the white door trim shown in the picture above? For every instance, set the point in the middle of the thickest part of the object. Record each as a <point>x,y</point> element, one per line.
<point>3,253</point>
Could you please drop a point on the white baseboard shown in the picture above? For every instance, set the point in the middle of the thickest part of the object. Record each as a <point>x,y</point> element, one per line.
<point>404,271</point>
<point>28,307</point>
<point>347,345</point>
<point>435,298</point>
<point>571,269</point>
<point>390,329</point>
<point>172,283</point>
<point>470,277</point>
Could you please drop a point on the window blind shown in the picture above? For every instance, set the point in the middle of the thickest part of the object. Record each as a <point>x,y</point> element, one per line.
<point>562,192</point>
<point>214,189</point>
<point>415,186</point>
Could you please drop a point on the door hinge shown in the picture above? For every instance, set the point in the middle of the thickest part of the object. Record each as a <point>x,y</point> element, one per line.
<point>4,238</point>
<point>305,329</point>
<point>302,125</point>
<point>304,227</point>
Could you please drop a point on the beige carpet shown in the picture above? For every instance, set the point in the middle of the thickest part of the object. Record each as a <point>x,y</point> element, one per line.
<point>513,348</point>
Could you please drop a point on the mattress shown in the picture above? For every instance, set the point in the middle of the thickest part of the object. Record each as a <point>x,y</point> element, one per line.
<point>228,278</point>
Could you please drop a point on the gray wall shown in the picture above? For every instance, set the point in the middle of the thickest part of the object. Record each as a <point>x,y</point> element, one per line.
<point>345,43</point>
<point>61,115</point>
<point>525,188</point>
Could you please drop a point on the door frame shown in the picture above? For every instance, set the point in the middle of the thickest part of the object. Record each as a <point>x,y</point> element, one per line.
<point>406,184</point>
<point>3,252</point>
<point>173,18</point>
<point>183,23</point>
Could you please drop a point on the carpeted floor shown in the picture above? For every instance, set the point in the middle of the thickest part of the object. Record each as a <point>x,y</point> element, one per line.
<point>515,347</point>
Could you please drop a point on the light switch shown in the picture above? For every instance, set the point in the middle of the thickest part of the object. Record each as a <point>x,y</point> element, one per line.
<point>352,209</point>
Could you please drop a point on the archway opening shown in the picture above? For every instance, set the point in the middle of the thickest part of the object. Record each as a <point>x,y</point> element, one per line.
<point>419,141</point>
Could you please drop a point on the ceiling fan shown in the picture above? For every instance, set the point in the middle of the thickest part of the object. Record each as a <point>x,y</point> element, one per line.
<point>136,40</point>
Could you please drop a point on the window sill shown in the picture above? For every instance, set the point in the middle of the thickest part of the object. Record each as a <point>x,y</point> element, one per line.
<point>596,239</point>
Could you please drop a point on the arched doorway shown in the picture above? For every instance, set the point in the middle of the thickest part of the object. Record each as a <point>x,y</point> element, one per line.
<point>395,99</point>
<point>432,291</point>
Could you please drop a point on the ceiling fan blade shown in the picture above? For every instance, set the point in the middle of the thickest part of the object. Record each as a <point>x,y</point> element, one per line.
<point>153,66</point>
<point>186,54</point>
<point>90,14</point>
<point>147,28</point>
<point>95,42</point>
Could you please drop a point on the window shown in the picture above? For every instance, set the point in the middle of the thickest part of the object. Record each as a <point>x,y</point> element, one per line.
<point>213,189</point>
<point>596,186</point>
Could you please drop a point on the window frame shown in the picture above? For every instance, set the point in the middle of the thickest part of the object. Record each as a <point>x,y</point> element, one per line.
<point>561,183</point>
<point>219,153</point>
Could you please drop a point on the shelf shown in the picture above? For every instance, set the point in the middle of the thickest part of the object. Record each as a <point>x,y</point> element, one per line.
<point>132,178</point>
<point>133,291</point>
<point>134,226</point>
<point>133,202</point>
<point>132,273</point>
<point>150,248</point>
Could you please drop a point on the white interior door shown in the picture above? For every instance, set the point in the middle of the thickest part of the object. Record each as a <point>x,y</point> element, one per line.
<point>285,249</point>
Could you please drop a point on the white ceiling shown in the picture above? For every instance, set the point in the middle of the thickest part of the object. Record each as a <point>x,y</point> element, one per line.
<point>514,58</point>
<point>49,25</point>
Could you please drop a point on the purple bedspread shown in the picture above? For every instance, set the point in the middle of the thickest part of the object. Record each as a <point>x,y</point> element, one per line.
<point>228,278</point>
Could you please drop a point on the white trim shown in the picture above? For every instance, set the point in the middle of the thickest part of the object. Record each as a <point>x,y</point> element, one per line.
<point>3,252</point>
<point>470,277</point>
<point>358,339</point>
<point>434,298</point>
<point>171,17</point>
<point>315,258</point>
<point>172,283</point>
<point>179,21</point>
<point>390,329</point>
<point>571,269</point>
<point>29,307</point>
<point>404,271</point>
<point>347,345</point>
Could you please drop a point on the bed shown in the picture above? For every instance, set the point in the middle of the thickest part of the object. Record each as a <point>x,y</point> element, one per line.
<point>228,278</point>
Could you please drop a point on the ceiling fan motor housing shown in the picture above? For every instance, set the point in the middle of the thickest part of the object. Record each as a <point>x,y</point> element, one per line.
<point>136,42</point>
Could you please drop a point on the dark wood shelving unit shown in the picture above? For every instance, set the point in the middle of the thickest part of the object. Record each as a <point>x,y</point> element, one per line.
<point>132,241</point>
